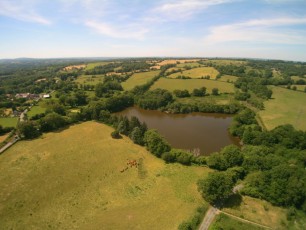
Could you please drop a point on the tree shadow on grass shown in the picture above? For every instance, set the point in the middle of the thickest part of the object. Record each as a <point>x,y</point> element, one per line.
<point>234,201</point>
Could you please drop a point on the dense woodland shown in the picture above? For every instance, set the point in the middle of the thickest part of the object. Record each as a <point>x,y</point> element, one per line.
<point>270,165</point>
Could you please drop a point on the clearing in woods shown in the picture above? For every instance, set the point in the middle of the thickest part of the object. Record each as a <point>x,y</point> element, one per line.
<point>285,107</point>
<point>197,73</point>
<point>139,79</point>
<point>89,79</point>
<point>65,180</point>
<point>8,121</point>
<point>36,109</point>
<point>191,84</point>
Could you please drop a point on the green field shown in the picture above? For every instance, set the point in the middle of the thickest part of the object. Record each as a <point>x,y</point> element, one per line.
<point>94,64</point>
<point>37,109</point>
<point>227,62</point>
<point>8,121</point>
<point>228,78</point>
<point>286,107</point>
<point>65,180</point>
<point>295,78</point>
<point>191,64</point>
<point>225,222</point>
<point>139,79</point>
<point>197,73</point>
<point>89,79</point>
<point>190,84</point>
<point>298,87</point>
<point>222,99</point>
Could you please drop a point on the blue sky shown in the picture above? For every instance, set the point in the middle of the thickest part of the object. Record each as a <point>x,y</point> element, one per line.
<point>274,29</point>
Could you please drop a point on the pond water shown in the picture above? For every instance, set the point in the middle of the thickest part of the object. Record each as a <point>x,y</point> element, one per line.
<point>204,131</point>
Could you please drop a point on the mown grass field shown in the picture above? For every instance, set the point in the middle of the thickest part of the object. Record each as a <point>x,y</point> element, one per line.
<point>89,79</point>
<point>8,121</point>
<point>191,84</point>
<point>286,107</point>
<point>65,180</point>
<point>139,79</point>
<point>94,64</point>
<point>225,222</point>
<point>37,109</point>
<point>197,73</point>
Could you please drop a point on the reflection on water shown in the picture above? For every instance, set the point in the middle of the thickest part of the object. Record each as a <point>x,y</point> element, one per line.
<point>205,131</point>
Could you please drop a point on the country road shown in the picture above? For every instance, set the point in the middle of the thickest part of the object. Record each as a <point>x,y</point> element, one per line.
<point>209,217</point>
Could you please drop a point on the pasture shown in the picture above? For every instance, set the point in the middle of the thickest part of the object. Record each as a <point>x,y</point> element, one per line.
<point>223,221</point>
<point>258,211</point>
<point>177,61</point>
<point>285,107</point>
<point>222,99</point>
<point>94,64</point>
<point>192,65</point>
<point>228,78</point>
<point>36,109</point>
<point>8,121</point>
<point>139,79</point>
<point>89,79</point>
<point>191,84</point>
<point>65,180</point>
<point>197,73</point>
<point>227,62</point>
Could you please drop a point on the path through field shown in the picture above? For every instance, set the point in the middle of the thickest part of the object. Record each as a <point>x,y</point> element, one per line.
<point>211,214</point>
<point>209,217</point>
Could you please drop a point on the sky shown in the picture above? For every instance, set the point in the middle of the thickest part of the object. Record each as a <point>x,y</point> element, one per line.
<point>269,29</point>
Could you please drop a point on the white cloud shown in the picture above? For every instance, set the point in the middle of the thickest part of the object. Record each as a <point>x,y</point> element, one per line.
<point>21,10</point>
<point>259,30</point>
<point>183,9</point>
<point>129,31</point>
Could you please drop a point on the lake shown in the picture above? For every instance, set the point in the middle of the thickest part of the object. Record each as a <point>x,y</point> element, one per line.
<point>205,131</point>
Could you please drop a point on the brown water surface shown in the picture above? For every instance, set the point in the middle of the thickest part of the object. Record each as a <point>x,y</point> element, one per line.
<point>206,131</point>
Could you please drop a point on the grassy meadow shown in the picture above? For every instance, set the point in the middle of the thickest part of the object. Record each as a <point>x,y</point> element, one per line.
<point>222,99</point>
<point>8,121</point>
<point>197,73</point>
<point>94,64</point>
<point>191,84</point>
<point>225,222</point>
<point>192,65</point>
<point>89,79</point>
<point>139,79</point>
<point>258,211</point>
<point>227,62</point>
<point>65,180</point>
<point>285,107</point>
<point>37,109</point>
<point>228,78</point>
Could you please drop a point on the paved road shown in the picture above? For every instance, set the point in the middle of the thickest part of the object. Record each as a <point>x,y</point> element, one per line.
<point>209,217</point>
<point>9,144</point>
